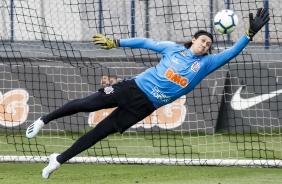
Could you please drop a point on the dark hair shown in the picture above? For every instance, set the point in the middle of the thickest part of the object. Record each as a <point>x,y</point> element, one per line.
<point>196,35</point>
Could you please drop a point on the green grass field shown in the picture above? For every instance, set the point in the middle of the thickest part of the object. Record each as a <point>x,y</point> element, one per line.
<point>28,173</point>
<point>152,145</point>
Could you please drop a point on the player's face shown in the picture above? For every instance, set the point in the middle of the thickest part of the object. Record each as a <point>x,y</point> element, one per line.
<point>201,45</point>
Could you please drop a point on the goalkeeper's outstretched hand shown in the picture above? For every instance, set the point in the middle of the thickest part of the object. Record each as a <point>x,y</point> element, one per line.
<point>105,42</point>
<point>262,17</point>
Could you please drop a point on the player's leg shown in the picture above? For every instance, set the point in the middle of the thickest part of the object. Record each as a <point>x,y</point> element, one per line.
<point>118,121</point>
<point>91,103</point>
<point>88,104</point>
<point>135,107</point>
<point>102,130</point>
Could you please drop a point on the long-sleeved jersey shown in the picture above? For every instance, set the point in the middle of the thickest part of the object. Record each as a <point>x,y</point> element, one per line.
<point>179,71</point>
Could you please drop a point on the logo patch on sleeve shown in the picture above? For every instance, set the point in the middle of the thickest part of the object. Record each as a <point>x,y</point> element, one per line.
<point>108,90</point>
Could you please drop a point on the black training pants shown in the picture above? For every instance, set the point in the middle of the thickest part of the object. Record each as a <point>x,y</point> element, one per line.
<point>132,106</point>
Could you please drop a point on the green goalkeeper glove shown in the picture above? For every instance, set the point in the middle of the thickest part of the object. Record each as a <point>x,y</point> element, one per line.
<point>105,42</point>
<point>262,17</point>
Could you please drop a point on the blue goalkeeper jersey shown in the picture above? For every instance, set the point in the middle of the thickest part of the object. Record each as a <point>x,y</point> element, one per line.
<point>179,71</point>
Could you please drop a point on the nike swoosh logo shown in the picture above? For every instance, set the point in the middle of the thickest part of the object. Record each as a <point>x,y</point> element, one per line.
<point>239,103</point>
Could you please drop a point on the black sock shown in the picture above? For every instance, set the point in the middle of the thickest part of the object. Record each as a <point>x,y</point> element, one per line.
<point>43,119</point>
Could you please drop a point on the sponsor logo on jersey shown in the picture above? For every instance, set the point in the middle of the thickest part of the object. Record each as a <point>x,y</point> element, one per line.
<point>175,78</point>
<point>195,66</point>
<point>160,95</point>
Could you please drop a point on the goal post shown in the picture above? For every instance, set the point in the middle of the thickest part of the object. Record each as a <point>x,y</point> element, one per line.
<point>47,58</point>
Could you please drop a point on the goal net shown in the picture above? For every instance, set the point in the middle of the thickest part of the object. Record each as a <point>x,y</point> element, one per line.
<point>47,59</point>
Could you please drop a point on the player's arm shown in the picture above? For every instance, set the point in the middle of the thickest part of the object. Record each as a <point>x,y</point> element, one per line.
<point>144,43</point>
<point>218,60</point>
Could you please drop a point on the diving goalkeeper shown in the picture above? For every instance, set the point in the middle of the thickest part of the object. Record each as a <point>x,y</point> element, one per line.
<point>180,69</point>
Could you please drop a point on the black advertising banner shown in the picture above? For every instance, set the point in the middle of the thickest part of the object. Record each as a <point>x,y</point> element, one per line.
<point>252,100</point>
<point>242,96</point>
<point>32,89</point>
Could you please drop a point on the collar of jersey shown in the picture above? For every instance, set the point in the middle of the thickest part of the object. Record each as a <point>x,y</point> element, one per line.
<point>191,55</point>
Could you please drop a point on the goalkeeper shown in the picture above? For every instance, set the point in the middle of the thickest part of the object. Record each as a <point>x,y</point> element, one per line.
<point>178,72</point>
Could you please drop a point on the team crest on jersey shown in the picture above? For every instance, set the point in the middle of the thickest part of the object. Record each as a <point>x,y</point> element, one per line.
<point>108,90</point>
<point>195,66</point>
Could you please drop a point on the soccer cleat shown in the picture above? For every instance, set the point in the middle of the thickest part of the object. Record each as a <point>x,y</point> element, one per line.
<point>34,128</point>
<point>51,167</point>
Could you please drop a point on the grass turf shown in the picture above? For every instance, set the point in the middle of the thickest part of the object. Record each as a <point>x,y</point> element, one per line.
<point>151,145</point>
<point>29,173</point>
